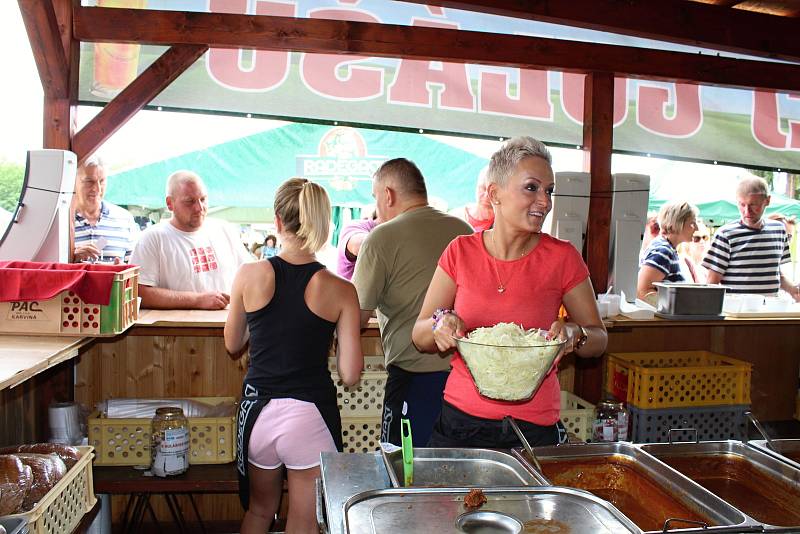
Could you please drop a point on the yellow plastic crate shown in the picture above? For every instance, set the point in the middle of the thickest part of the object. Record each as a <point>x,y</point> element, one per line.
<point>65,505</point>
<point>577,415</point>
<point>678,379</point>
<point>126,441</point>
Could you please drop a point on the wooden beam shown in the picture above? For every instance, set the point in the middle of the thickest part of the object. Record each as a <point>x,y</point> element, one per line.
<point>598,137</point>
<point>678,21</point>
<point>218,30</point>
<point>41,25</point>
<point>134,97</point>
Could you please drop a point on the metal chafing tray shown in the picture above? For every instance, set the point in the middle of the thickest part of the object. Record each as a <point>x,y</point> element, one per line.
<point>785,450</point>
<point>507,510</point>
<point>459,468</point>
<point>723,516</point>
<point>757,483</point>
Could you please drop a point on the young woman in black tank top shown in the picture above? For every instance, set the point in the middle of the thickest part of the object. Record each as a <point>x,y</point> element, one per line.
<point>288,308</point>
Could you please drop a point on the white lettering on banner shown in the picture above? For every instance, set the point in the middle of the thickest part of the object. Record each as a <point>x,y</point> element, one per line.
<point>334,167</point>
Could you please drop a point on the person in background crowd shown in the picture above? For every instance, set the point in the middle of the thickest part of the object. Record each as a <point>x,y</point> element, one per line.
<point>790,223</point>
<point>351,238</point>
<point>102,231</point>
<point>479,215</point>
<point>651,231</point>
<point>511,273</point>
<point>678,223</point>
<point>188,261</point>
<point>392,273</point>
<point>746,255</point>
<point>270,248</point>
<point>692,252</point>
<point>288,307</point>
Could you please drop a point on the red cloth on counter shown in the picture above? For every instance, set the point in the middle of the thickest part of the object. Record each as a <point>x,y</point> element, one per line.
<point>24,280</point>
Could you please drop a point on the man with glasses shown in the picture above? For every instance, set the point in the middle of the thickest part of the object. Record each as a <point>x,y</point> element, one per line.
<point>103,231</point>
<point>746,255</point>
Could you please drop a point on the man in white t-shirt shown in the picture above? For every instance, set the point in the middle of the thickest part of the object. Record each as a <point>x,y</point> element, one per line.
<point>188,262</point>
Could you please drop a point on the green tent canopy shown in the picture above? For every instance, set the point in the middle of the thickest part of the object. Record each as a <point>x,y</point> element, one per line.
<point>245,173</point>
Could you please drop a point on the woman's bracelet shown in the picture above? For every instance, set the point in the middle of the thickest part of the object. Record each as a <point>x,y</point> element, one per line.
<point>438,314</point>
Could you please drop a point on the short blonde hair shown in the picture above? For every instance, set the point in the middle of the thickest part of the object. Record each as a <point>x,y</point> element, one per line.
<point>178,178</point>
<point>305,210</point>
<point>753,185</point>
<point>673,216</point>
<point>505,160</point>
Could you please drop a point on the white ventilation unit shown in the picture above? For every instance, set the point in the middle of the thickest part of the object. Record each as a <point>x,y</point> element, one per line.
<point>567,220</point>
<point>39,227</point>
<point>628,216</point>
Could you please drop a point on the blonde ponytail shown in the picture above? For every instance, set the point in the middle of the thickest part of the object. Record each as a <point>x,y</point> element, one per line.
<point>305,209</point>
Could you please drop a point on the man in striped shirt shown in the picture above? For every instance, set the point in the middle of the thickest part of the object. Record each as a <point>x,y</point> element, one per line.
<point>746,255</point>
<point>103,231</point>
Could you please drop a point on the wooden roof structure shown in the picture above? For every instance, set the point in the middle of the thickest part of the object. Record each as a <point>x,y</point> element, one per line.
<point>766,29</point>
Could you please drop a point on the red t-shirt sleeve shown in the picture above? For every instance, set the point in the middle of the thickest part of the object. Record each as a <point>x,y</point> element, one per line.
<point>449,258</point>
<point>574,270</point>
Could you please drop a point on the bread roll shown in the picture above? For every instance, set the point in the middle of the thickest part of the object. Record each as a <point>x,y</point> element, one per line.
<point>69,455</point>
<point>15,483</point>
<point>47,470</point>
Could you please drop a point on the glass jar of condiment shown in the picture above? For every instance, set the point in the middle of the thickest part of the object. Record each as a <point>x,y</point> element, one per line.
<point>169,442</point>
<point>611,422</point>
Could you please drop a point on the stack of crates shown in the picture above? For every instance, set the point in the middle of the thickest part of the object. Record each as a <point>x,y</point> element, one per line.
<point>694,391</point>
<point>361,405</point>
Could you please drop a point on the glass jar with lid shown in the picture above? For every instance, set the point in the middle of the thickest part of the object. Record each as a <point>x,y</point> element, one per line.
<point>611,422</point>
<point>169,442</point>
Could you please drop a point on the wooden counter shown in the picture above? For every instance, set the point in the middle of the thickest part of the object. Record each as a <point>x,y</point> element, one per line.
<point>24,356</point>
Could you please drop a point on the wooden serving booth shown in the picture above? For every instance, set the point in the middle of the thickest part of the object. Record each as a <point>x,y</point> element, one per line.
<point>181,353</point>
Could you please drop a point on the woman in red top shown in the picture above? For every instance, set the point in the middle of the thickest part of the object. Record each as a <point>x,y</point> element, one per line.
<point>512,273</point>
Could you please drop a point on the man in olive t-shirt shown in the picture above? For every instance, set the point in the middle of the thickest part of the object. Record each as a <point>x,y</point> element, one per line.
<point>392,274</point>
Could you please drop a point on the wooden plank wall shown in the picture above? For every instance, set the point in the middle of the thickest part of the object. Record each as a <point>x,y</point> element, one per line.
<point>194,364</point>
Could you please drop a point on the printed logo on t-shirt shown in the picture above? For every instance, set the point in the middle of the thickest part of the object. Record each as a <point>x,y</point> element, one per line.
<point>204,259</point>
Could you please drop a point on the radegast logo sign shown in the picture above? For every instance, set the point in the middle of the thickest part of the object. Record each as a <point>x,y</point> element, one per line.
<point>342,161</point>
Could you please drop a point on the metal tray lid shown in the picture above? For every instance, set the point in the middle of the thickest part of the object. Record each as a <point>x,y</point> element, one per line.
<point>512,510</point>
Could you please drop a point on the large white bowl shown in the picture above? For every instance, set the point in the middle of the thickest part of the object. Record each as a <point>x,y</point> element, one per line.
<point>516,372</point>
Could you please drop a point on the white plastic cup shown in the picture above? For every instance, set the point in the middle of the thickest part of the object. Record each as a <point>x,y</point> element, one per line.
<point>612,301</point>
<point>602,308</point>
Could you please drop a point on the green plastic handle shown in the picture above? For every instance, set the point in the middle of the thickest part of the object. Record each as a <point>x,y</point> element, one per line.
<point>408,452</point>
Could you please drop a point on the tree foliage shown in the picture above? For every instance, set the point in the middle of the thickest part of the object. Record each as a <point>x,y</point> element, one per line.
<point>11,175</point>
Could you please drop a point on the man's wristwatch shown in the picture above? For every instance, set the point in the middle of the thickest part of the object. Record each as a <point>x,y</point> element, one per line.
<point>581,340</point>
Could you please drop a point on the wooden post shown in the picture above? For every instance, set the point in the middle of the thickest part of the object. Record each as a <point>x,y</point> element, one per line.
<point>598,124</point>
<point>49,27</point>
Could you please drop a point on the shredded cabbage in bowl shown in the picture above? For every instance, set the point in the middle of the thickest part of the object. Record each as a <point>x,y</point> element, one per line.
<point>508,362</point>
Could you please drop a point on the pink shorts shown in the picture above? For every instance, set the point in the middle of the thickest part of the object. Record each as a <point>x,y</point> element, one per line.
<point>290,432</point>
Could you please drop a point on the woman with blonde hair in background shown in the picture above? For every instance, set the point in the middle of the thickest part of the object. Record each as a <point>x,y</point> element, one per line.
<point>287,307</point>
<point>678,222</point>
<point>691,254</point>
